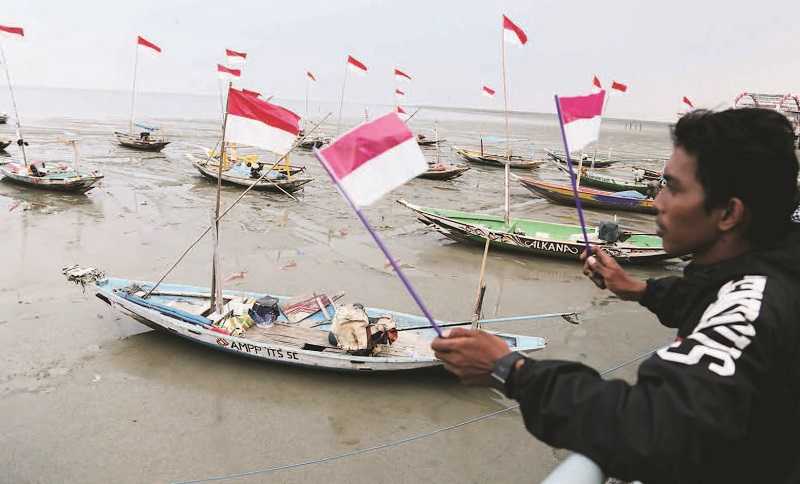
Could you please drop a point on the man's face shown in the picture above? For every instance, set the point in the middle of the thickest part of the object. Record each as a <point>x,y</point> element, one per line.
<point>683,222</point>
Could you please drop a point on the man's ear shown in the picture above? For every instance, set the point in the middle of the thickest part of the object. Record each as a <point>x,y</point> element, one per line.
<point>735,215</point>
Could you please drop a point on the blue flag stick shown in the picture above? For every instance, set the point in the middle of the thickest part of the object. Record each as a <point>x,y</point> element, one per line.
<point>381,245</point>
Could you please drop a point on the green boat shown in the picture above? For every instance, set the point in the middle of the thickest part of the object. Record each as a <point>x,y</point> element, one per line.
<point>535,237</point>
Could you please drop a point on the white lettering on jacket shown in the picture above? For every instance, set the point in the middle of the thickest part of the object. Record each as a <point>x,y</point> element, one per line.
<point>725,328</point>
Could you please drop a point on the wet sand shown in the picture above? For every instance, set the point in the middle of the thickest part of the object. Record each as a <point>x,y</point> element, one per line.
<point>89,395</point>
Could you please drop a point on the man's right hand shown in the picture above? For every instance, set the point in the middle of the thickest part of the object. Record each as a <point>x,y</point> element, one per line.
<point>615,278</point>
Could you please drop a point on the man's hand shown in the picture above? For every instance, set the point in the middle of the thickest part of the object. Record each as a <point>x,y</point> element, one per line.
<point>470,354</point>
<point>615,278</point>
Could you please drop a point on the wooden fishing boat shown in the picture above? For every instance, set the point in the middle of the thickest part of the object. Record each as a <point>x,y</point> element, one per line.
<point>593,178</point>
<point>438,171</point>
<point>423,140</point>
<point>59,177</point>
<point>181,310</point>
<point>586,162</point>
<point>251,161</point>
<point>240,175</point>
<point>314,142</point>
<point>141,143</point>
<point>536,237</point>
<point>590,197</point>
<point>483,158</point>
<point>4,143</point>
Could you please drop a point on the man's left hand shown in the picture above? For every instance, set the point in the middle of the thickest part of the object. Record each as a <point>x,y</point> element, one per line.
<point>470,354</point>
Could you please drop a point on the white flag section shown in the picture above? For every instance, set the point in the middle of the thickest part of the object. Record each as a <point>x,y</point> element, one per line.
<point>254,122</point>
<point>374,158</point>
<point>580,116</point>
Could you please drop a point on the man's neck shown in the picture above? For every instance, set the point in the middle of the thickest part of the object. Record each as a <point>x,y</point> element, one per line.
<point>726,248</point>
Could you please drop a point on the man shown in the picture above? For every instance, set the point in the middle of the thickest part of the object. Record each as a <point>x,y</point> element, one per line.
<point>722,403</point>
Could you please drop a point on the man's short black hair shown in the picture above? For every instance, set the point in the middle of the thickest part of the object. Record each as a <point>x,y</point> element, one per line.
<point>748,154</point>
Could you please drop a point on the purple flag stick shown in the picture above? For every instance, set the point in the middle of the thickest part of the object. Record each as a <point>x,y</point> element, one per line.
<point>573,178</point>
<point>381,245</point>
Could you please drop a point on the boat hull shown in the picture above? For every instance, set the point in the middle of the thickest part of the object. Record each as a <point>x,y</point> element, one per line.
<point>290,354</point>
<point>288,185</point>
<point>590,197</point>
<point>449,173</point>
<point>577,162</point>
<point>516,162</point>
<point>4,144</point>
<point>131,142</point>
<point>78,184</point>
<point>568,244</point>
<point>613,184</point>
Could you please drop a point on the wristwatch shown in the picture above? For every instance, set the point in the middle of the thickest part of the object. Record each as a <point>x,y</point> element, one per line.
<point>503,369</point>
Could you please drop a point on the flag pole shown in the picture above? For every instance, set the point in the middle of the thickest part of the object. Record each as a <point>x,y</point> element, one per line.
<point>572,177</point>
<point>308,81</point>
<point>381,245</point>
<point>341,100</point>
<point>133,89</point>
<point>507,168</point>
<point>216,281</point>
<point>21,140</point>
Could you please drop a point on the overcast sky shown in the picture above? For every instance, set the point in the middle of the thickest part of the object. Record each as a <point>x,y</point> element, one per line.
<point>708,50</point>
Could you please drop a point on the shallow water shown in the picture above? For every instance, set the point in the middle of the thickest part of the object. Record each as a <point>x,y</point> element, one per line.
<point>90,395</point>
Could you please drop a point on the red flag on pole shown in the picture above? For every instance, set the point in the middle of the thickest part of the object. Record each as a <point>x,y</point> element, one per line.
<point>399,92</point>
<point>512,33</point>
<point>596,82</point>
<point>311,76</point>
<point>235,57</point>
<point>142,41</point>
<point>228,73</point>
<point>487,91</point>
<point>12,30</point>
<point>254,122</point>
<point>619,86</point>
<point>687,102</point>
<point>400,110</point>
<point>356,65</point>
<point>400,75</point>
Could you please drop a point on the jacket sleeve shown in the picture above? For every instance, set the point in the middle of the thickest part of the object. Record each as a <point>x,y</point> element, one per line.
<point>690,398</point>
<point>663,298</point>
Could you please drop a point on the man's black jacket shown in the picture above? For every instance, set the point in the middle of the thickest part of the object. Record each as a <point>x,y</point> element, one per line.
<point>721,404</point>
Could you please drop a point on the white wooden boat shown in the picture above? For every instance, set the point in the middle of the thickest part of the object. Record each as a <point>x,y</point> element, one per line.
<point>59,177</point>
<point>178,310</point>
<point>240,175</point>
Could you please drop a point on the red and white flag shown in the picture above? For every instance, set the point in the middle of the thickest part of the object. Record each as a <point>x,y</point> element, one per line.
<point>487,91</point>
<point>142,41</point>
<point>235,57</point>
<point>228,73</point>
<point>400,75</point>
<point>254,122</point>
<point>374,158</point>
<point>399,110</point>
<point>596,82</point>
<point>687,102</point>
<point>619,86</point>
<point>512,33</point>
<point>399,93</point>
<point>580,116</point>
<point>356,65</point>
<point>311,76</point>
<point>12,30</point>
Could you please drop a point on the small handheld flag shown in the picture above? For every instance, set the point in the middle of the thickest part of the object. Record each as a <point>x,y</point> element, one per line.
<point>579,117</point>
<point>369,161</point>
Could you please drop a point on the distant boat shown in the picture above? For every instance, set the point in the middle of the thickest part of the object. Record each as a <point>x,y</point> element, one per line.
<point>438,171</point>
<point>311,142</point>
<point>51,175</point>
<point>143,142</point>
<point>4,143</point>
<point>535,237</point>
<point>513,161</point>
<point>423,140</point>
<point>3,119</point>
<point>586,161</point>
<point>590,197</point>
<point>241,175</point>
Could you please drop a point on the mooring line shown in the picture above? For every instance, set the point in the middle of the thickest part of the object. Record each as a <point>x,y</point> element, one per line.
<point>395,443</point>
